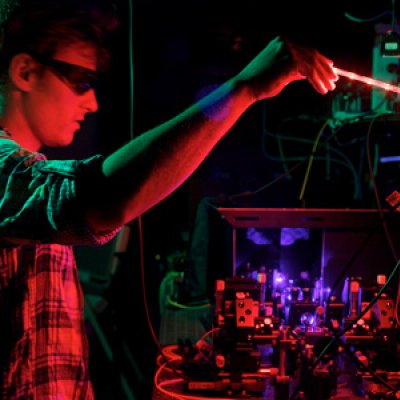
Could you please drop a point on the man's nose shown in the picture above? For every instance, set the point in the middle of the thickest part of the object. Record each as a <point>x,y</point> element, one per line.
<point>90,101</point>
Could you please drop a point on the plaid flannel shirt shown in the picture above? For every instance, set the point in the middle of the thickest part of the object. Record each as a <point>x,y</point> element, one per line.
<point>43,345</point>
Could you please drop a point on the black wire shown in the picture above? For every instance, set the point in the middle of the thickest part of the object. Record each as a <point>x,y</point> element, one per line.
<point>301,162</point>
<point>369,19</point>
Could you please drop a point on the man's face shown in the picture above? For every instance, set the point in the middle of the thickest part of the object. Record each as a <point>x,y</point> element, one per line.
<point>62,95</point>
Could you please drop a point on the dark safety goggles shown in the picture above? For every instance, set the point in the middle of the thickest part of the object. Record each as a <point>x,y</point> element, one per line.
<point>80,79</point>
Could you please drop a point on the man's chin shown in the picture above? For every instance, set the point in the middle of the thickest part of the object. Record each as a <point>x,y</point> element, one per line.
<point>65,141</point>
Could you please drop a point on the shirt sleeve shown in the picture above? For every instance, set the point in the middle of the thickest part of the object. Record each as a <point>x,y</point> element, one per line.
<point>40,200</point>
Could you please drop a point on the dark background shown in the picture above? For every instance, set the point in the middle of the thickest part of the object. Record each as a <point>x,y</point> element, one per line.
<point>180,50</point>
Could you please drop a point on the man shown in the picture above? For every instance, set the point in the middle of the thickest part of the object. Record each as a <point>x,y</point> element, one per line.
<point>49,59</point>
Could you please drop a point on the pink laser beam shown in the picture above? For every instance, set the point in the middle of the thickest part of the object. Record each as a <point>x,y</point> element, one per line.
<point>368,81</point>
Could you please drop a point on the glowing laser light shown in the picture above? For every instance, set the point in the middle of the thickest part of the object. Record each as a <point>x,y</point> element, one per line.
<point>366,80</point>
<point>307,319</point>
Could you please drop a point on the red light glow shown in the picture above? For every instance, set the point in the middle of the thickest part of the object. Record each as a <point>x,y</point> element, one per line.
<point>368,81</point>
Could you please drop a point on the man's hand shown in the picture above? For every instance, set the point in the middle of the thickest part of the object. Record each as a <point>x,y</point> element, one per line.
<point>282,62</point>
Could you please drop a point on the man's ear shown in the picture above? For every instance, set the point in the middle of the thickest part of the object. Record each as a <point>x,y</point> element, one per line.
<point>21,70</point>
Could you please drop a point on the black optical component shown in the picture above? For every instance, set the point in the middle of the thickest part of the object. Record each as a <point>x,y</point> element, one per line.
<point>80,79</point>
